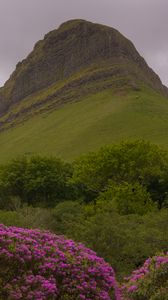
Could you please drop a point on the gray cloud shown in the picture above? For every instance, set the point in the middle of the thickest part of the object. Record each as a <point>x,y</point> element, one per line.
<point>24,22</point>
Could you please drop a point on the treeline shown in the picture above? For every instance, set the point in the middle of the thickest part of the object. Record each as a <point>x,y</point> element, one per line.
<point>131,177</point>
<point>114,200</point>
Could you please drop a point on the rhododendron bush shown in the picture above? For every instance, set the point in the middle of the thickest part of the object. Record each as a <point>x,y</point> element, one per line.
<point>150,282</point>
<point>39,265</point>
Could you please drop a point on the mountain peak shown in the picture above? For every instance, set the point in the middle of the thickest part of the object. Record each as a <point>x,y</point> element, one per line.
<point>101,53</point>
<point>73,22</point>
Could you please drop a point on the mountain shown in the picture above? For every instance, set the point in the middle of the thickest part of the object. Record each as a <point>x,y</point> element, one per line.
<point>79,58</point>
<point>82,86</point>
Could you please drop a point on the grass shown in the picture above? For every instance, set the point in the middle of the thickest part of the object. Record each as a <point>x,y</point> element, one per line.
<point>31,104</point>
<point>76,128</point>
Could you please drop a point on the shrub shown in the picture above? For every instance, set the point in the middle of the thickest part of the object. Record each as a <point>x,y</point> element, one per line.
<point>131,162</point>
<point>11,218</point>
<point>27,217</point>
<point>124,241</point>
<point>35,180</point>
<point>65,216</point>
<point>150,282</point>
<point>126,199</point>
<point>39,265</point>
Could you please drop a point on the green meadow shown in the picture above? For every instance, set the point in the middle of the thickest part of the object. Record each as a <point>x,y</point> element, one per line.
<point>94,121</point>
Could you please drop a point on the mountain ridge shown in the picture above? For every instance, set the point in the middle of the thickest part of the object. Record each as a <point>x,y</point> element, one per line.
<point>92,52</point>
<point>82,87</point>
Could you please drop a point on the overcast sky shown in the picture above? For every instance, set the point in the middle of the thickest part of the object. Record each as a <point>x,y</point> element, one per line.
<point>24,22</point>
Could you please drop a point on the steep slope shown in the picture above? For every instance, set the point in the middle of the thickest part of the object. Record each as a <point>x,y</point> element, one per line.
<point>83,86</point>
<point>77,59</point>
<point>97,120</point>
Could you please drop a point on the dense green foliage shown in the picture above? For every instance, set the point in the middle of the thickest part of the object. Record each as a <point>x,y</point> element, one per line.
<point>126,198</point>
<point>131,177</point>
<point>137,163</point>
<point>114,200</point>
<point>124,241</point>
<point>38,180</point>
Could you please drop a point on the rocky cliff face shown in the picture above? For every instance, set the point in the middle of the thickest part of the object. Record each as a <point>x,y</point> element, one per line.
<point>76,46</point>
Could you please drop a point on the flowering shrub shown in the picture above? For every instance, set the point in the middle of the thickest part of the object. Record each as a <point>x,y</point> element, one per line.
<point>150,282</point>
<point>39,265</point>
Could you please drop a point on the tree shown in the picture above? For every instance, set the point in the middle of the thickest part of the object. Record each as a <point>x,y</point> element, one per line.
<point>126,198</point>
<point>35,180</point>
<point>131,162</point>
<point>46,180</point>
<point>65,216</point>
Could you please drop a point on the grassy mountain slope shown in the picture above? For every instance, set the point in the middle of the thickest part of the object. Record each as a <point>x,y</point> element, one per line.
<point>99,119</point>
<point>84,85</point>
<point>77,59</point>
<point>87,82</point>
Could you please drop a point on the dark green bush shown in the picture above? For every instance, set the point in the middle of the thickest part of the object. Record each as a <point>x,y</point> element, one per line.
<point>130,162</point>
<point>126,198</point>
<point>124,241</point>
<point>36,181</point>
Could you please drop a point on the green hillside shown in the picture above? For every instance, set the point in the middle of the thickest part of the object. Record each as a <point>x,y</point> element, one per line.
<point>100,119</point>
<point>83,86</point>
<point>77,45</point>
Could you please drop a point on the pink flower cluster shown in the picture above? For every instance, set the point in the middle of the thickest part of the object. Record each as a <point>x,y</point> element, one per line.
<point>138,277</point>
<point>40,265</point>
